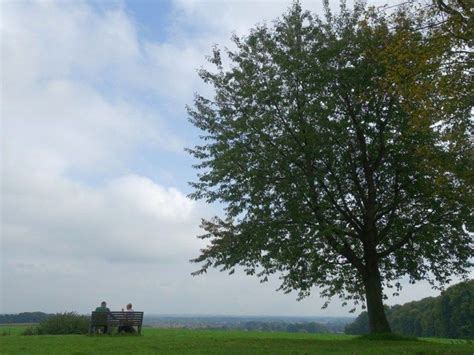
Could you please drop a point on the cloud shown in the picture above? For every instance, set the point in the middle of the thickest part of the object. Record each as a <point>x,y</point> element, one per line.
<point>142,195</point>
<point>73,123</point>
<point>68,77</point>
<point>218,19</point>
<point>44,40</point>
<point>131,218</point>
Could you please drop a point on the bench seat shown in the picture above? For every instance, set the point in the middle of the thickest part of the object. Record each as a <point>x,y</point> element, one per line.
<point>115,319</point>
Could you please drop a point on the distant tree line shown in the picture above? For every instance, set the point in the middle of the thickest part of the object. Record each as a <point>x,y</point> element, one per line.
<point>256,323</point>
<point>450,315</point>
<point>24,317</point>
<point>309,327</point>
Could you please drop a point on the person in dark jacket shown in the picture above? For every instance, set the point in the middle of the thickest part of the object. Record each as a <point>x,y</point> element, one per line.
<point>103,309</point>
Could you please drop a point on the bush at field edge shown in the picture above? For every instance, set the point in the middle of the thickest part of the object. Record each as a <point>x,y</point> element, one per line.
<point>61,323</point>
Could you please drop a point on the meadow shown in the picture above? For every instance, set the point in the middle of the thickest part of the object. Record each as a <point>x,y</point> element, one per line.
<point>179,341</point>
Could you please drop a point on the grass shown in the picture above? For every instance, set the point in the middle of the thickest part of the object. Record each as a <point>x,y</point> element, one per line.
<point>387,336</point>
<point>182,341</point>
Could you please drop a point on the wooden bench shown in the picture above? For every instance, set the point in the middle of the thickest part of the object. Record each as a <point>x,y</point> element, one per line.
<point>111,320</point>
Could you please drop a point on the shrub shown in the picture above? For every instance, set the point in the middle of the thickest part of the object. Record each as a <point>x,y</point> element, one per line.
<point>5,332</point>
<point>30,331</point>
<point>64,323</point>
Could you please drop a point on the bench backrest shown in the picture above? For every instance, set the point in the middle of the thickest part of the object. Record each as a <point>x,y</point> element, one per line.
<point>120,318</point>
<point>99,318</point>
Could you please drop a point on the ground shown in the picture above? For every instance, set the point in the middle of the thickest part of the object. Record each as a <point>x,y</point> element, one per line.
<point>179,341</point>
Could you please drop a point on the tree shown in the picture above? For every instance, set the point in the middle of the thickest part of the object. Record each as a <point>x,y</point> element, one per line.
<point>450,315</point>
<point>342,156</point>
<point>455,311</point>
<point>459,18</point>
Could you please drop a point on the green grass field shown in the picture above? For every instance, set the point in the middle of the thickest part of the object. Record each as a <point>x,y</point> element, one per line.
<point>180,341</point>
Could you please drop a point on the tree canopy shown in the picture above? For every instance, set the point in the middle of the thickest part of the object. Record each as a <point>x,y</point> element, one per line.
<point>340,148</point>
<point>458,17</point>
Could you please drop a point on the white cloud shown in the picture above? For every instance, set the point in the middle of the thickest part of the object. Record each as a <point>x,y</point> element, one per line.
<point>44,40</point>
<point>142,195</point>
<point>131,218</point>
<point>175,68</point>
<point>71,80</point>
<point>221,18</point>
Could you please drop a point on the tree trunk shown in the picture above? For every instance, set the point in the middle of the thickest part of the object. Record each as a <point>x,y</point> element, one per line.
<point>374,296</point>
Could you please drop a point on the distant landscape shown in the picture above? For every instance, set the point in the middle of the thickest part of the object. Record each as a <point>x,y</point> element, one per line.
<point>441,325</point>
<point>261,323</point>
<point>450,315</point>
<point>216,322</point>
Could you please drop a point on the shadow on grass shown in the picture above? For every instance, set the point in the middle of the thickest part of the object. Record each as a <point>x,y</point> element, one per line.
<point>387,336</point>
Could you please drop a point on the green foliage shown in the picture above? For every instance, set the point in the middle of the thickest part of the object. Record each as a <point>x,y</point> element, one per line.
<point>457,18</point>
<point>61,323</point>
<point>450,315</point>
<point>360,325</point>
<point>454,311</point>
<point>341,150</point>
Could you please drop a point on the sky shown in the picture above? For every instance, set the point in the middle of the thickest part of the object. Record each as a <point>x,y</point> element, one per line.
<point>94,176</point>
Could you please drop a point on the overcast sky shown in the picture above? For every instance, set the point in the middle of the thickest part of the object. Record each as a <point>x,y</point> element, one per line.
<point>94,173</point>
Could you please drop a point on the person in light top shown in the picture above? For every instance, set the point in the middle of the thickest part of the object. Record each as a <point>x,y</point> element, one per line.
<point>127,328</point>
<point>129,308</point>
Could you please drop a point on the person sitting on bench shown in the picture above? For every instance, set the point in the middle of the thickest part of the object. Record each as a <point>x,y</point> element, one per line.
<point>103,308</point>
<point>127,328</point>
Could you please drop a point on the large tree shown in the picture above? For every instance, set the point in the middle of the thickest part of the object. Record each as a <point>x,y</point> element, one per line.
<point>340,150</point>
